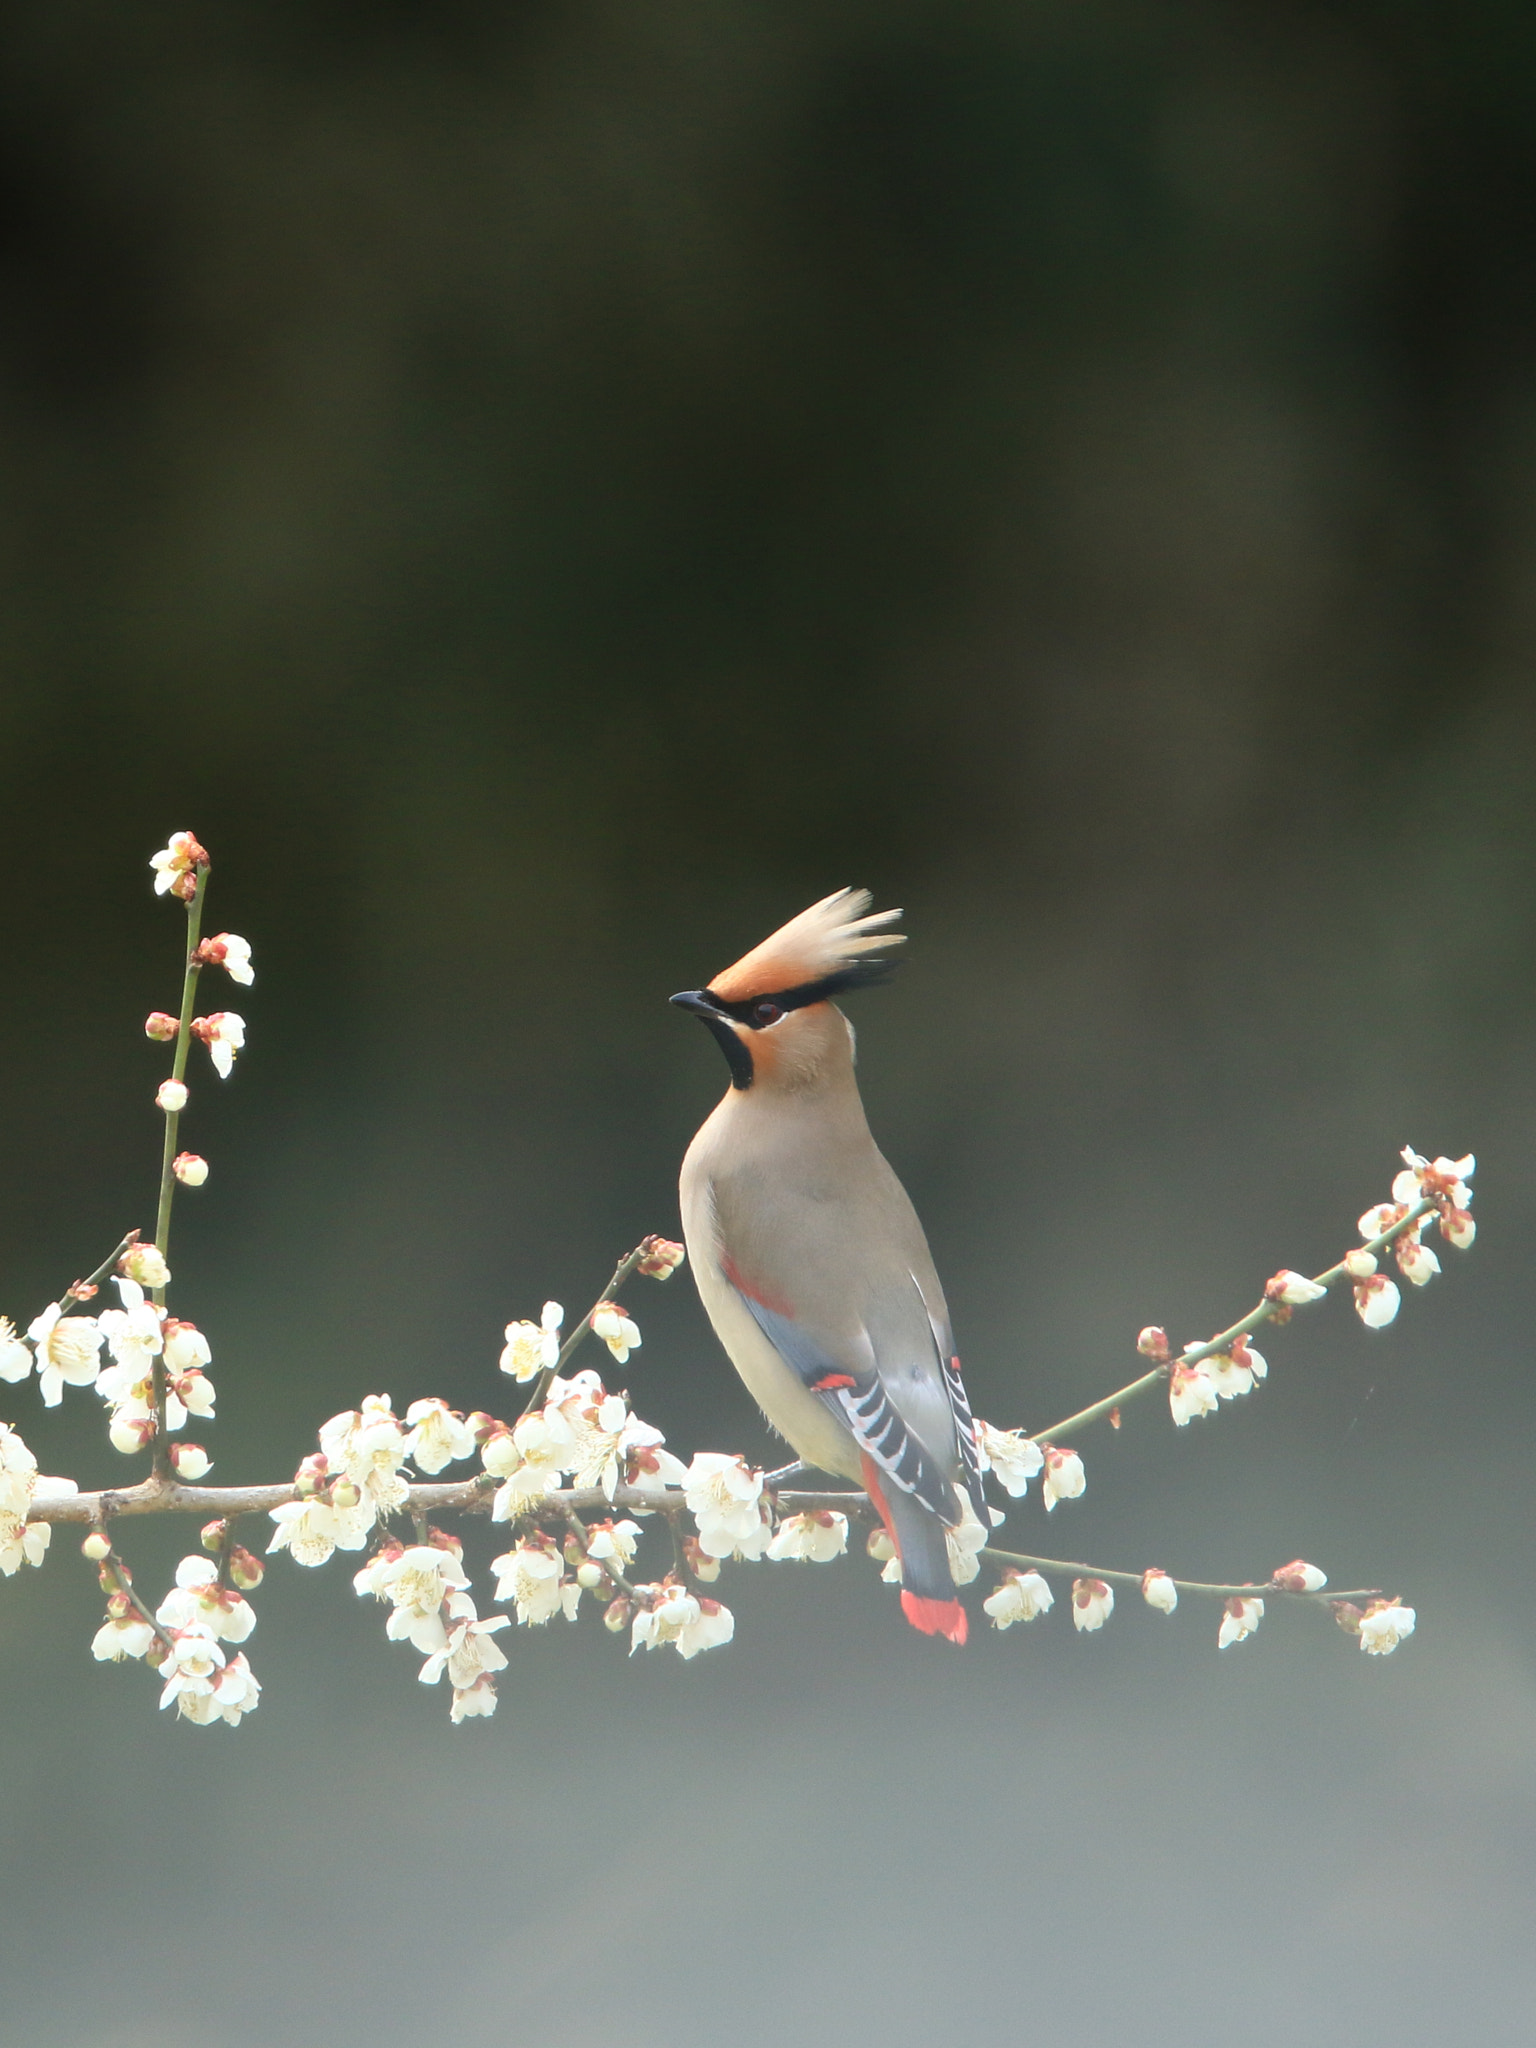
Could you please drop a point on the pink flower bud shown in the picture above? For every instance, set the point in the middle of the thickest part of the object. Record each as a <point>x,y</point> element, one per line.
<point>159,1026</point>
<point>212,1536</point>
<point>246,1571</point>
<point>1300,1577</point>
<point>1347,1615</point>
<point>616,1616</point>
<point>171,1096</point>
<point>96,1546</point>
<point>185,886</point>
<point>190,1168</point>
<point>191,1461</point>
<point>143,1262</point>
<point>1292,1288</point>
<point>662,1258</point>
<point>1153,1343</point>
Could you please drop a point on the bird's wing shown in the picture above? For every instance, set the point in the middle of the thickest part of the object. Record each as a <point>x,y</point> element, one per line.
<point>959,1401</point>
<point>854,1387</point>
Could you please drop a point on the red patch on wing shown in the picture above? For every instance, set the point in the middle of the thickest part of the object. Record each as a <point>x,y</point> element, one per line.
<point>870,1472</point>
<point>935,1617</point>
<point>775,1307</point>
<point>833,1379</point>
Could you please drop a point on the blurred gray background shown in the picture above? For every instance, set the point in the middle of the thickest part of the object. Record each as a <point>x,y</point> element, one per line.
<point>544,492</point>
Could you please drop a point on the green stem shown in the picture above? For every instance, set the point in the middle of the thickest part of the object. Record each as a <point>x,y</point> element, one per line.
<point>162,1450</point>
<point>1192,1354</point>
<point>1062,1568</point>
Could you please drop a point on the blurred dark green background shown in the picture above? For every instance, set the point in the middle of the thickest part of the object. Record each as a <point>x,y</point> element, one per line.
<point>546,491</point>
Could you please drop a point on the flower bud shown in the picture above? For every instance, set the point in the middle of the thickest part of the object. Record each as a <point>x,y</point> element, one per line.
<point>699,1561</point>
<point>1291,1289</point>
<point>143,1262</point>
<point>345,1495</point>
<point>1359,1265</point>
<point>662,1258</point>
<point>156,1654</point>
<point>311,1475</point>
<point>190,1460</point>
<point>190,1168</point>
<point>880,1547</point>
<point>1159,1591</point>
<point>1153,1343</point>
<point>616,1615</point>
<point>119,1607</point>
<point>1347,1615</point>
<point>171,1096</point>
<point>159,1026</point>
<point>575,1550</point>
<point>245,1571</point>
<point>1300,1577</point>
<point>589,1575</point>
<point>96,1546</point>
<point>231,953</point>
<point>212,1537</point>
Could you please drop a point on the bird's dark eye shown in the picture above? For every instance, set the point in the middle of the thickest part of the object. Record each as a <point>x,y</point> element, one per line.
<point>766,1013</point>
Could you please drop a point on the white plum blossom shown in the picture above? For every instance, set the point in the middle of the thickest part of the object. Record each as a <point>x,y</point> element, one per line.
<point>190,1168</point>
<point>532,1348</point>
<point>309,1530</point>
<point>1385,1624</point>
<point>171,1096</point>
<point>725,1496</point>
<point>471,1701</point>
<point>1191,1393</point>
<point>613,1543</point>
<point>198,1601</point>
<point>813,1538</point>
<point>68,1351</point>
<point>236,1691</point>
<point>1159,1591</point>
<point>1011,1457</point>
<point>1237,1370</point>
<point>688,1621</point>
<point>224,1035</point>
<point>1092,1603</point>
<point>368,1445</point>
<point>470,1654</point>
<point>418,1581</point>
<point>18,1473</point>
<point>599,1425</point>
<point>1064,1478</point>
<point>964,1543</point>
<point>1440,1179</point>
<point>121,1635</point>
<point>22,1542</point>
<point>133,1332</point>
<point>543,1445</point>
<point>179,858</point>
<point>186,1347</point>
<point>15,1358</point>
<point>1376,1300</point>
<point>229,951</point>
<point>1239,1619</point>
<point>191,1666</point>
<point>1019,1596</point>
<point>1415,1261</point>
<point>437,1435</point>
<point>615,1329</point>
<point>190,1462</point>
<point>1293,1289</point>
<point>647,1465</point>
<point>532,1575</point>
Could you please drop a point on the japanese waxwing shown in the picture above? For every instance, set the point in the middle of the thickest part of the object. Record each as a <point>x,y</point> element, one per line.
<point>809,1256</point>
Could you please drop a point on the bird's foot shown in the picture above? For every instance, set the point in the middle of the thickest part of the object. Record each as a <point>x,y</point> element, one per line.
<point>784,1473</point>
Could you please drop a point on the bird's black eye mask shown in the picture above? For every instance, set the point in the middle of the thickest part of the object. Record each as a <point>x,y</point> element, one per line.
<point>759,1013</point>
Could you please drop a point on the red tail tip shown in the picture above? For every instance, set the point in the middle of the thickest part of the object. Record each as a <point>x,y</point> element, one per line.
<point>935,1617</point>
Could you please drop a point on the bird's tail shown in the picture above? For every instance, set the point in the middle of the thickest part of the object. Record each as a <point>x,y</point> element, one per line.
<point>928,1597</point>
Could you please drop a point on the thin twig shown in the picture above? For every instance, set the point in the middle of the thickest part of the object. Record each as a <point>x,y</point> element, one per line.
<point>1192,1354</point>
<point>1267,1590</point>
<point>621,1273</point>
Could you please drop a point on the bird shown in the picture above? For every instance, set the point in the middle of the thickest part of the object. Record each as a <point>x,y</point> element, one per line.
<point>809,1256</point>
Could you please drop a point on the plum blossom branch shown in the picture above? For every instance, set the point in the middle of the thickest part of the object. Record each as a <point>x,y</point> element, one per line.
<point>630,1263</point>
<point>1271,1588</point>
<point>1270,1310</point>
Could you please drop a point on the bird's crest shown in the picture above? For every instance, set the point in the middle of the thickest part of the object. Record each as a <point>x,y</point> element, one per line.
<point>830,943</point>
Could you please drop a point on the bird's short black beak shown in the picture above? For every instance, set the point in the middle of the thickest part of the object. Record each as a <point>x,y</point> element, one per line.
<point>696,1000</point>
